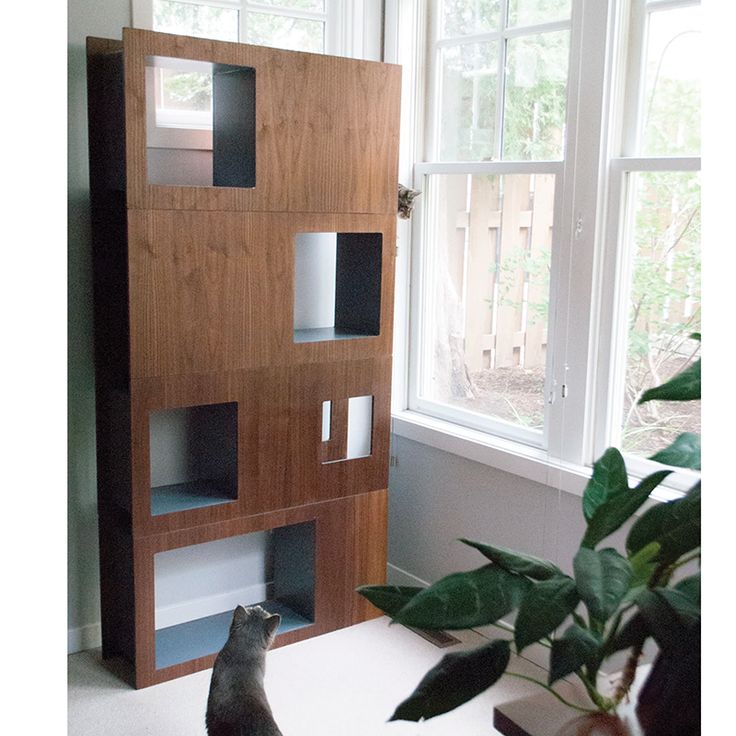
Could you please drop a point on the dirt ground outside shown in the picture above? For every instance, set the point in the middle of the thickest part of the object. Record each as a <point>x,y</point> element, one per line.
<point>516,395</point>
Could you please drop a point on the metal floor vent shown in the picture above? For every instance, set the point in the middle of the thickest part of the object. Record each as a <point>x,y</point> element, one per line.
<point>440,639</point>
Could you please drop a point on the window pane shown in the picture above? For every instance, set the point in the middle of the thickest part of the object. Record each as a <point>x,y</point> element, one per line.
<point>536,91</point>
<point>280,31</point>
<point>664,306</point>
<point>486,295</point>
<point>186,19</point>
<point>531,12</point>
<point>670,110</point>
<point>463,17</point>
<point>315,5</point>
<point>468,107</point>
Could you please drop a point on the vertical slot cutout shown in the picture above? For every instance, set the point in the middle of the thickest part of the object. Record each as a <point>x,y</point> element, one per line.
<point>347,432</point>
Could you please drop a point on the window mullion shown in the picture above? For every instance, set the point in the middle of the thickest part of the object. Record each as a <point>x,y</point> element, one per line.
<point>500,85</point>
<point>578,236</point>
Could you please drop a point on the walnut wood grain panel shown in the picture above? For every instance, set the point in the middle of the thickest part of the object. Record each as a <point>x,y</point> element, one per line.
<point>215,291</point>
<point>280,460</point>
<point>370,544</point>
<point>333,575</point>
<point>327,129</point>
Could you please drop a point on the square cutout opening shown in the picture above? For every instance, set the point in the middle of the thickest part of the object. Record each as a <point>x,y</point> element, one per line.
<point>193,457</point>
<point>198,587</point>
<point>337,286</point>
<point>200,123</point>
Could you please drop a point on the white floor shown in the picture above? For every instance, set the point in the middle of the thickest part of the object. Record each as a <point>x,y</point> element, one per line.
<point>346,683</point>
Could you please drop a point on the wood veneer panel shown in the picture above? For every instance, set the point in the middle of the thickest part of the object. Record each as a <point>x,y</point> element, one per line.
<point>327,129</point>
<point>333,575</point>
<point>280,449</point>
<point>370,539</point>
<point>214,291</point>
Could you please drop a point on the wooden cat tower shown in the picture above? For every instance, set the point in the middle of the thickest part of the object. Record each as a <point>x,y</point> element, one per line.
<point>228,402</point>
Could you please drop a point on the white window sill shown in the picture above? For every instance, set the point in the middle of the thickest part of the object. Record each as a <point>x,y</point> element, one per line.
<point>511,457</point>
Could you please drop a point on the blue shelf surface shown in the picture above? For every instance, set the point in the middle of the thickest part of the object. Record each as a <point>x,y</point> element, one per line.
<point>319,334</point>
<point>185,496</point>
<point>203,636</point>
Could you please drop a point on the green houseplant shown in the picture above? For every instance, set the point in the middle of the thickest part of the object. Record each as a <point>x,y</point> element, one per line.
<point>615,600</point>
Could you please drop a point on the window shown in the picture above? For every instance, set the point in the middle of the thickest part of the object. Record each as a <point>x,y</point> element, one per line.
<point>555,250</point>
<point>180,97</point>
<point>498,80</point>
<point>319,26</point>
<point>654,218</point>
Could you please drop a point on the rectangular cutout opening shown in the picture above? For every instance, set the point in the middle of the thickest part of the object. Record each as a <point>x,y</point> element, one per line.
<point>200,123</point>
<point>193,457</point>
<point>351,437</point>
<point>198,587</point>
<point>337,286</point>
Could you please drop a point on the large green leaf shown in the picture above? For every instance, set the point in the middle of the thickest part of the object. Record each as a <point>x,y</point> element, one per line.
<point>523,564</point>
<point>389,598</point>
<point>576,647</point>
<point>602,580</point>
<point>690,588</point>
<point>674,525</point>
<point>632,634</point>
<point>465,599</point>
<point>614,512</point>
<point>669,615</point>
<point>609,479</point>
<point>458,677</point>
<point>684,452</point>
<point>685,386</point>
<point>544,607</point>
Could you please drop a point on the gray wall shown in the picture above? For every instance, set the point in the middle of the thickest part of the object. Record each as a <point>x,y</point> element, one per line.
<point>436,497</point>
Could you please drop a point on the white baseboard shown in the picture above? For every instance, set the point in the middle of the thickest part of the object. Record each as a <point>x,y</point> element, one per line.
<point>84,637</point>
<point>90,636</point>
<point>397,576</point>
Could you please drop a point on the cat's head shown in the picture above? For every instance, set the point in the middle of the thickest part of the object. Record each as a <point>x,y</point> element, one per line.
<point>255,624</point>
<point>406,201</point>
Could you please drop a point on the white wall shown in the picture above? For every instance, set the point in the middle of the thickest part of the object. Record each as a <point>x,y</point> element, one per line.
<point>436,497</point>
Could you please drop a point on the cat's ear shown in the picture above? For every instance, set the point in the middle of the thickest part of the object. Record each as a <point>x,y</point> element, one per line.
<point>270,625</point>
<point>239,617</point>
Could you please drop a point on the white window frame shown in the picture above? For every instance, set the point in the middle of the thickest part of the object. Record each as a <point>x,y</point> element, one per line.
<point>352,27</point>
<point>581,324</point>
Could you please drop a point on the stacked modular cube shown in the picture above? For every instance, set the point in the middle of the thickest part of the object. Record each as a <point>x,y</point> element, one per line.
<point>243,330</point>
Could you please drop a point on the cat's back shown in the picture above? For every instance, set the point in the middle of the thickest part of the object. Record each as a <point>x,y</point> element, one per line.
<point>254,720</point>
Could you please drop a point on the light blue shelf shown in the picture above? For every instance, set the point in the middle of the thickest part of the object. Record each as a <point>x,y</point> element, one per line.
<point>320,334</point>
<point>203,636</point>
<point>186,496</point>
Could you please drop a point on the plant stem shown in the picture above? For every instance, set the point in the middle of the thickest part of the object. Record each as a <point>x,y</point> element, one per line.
<point>628,674</point>
<point>549,689</point>
<point>692,556</point>
<point>604,704</point>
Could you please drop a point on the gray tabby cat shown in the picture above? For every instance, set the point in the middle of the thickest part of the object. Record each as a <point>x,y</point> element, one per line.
<point>406,201</point>
<point>237,703</point>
